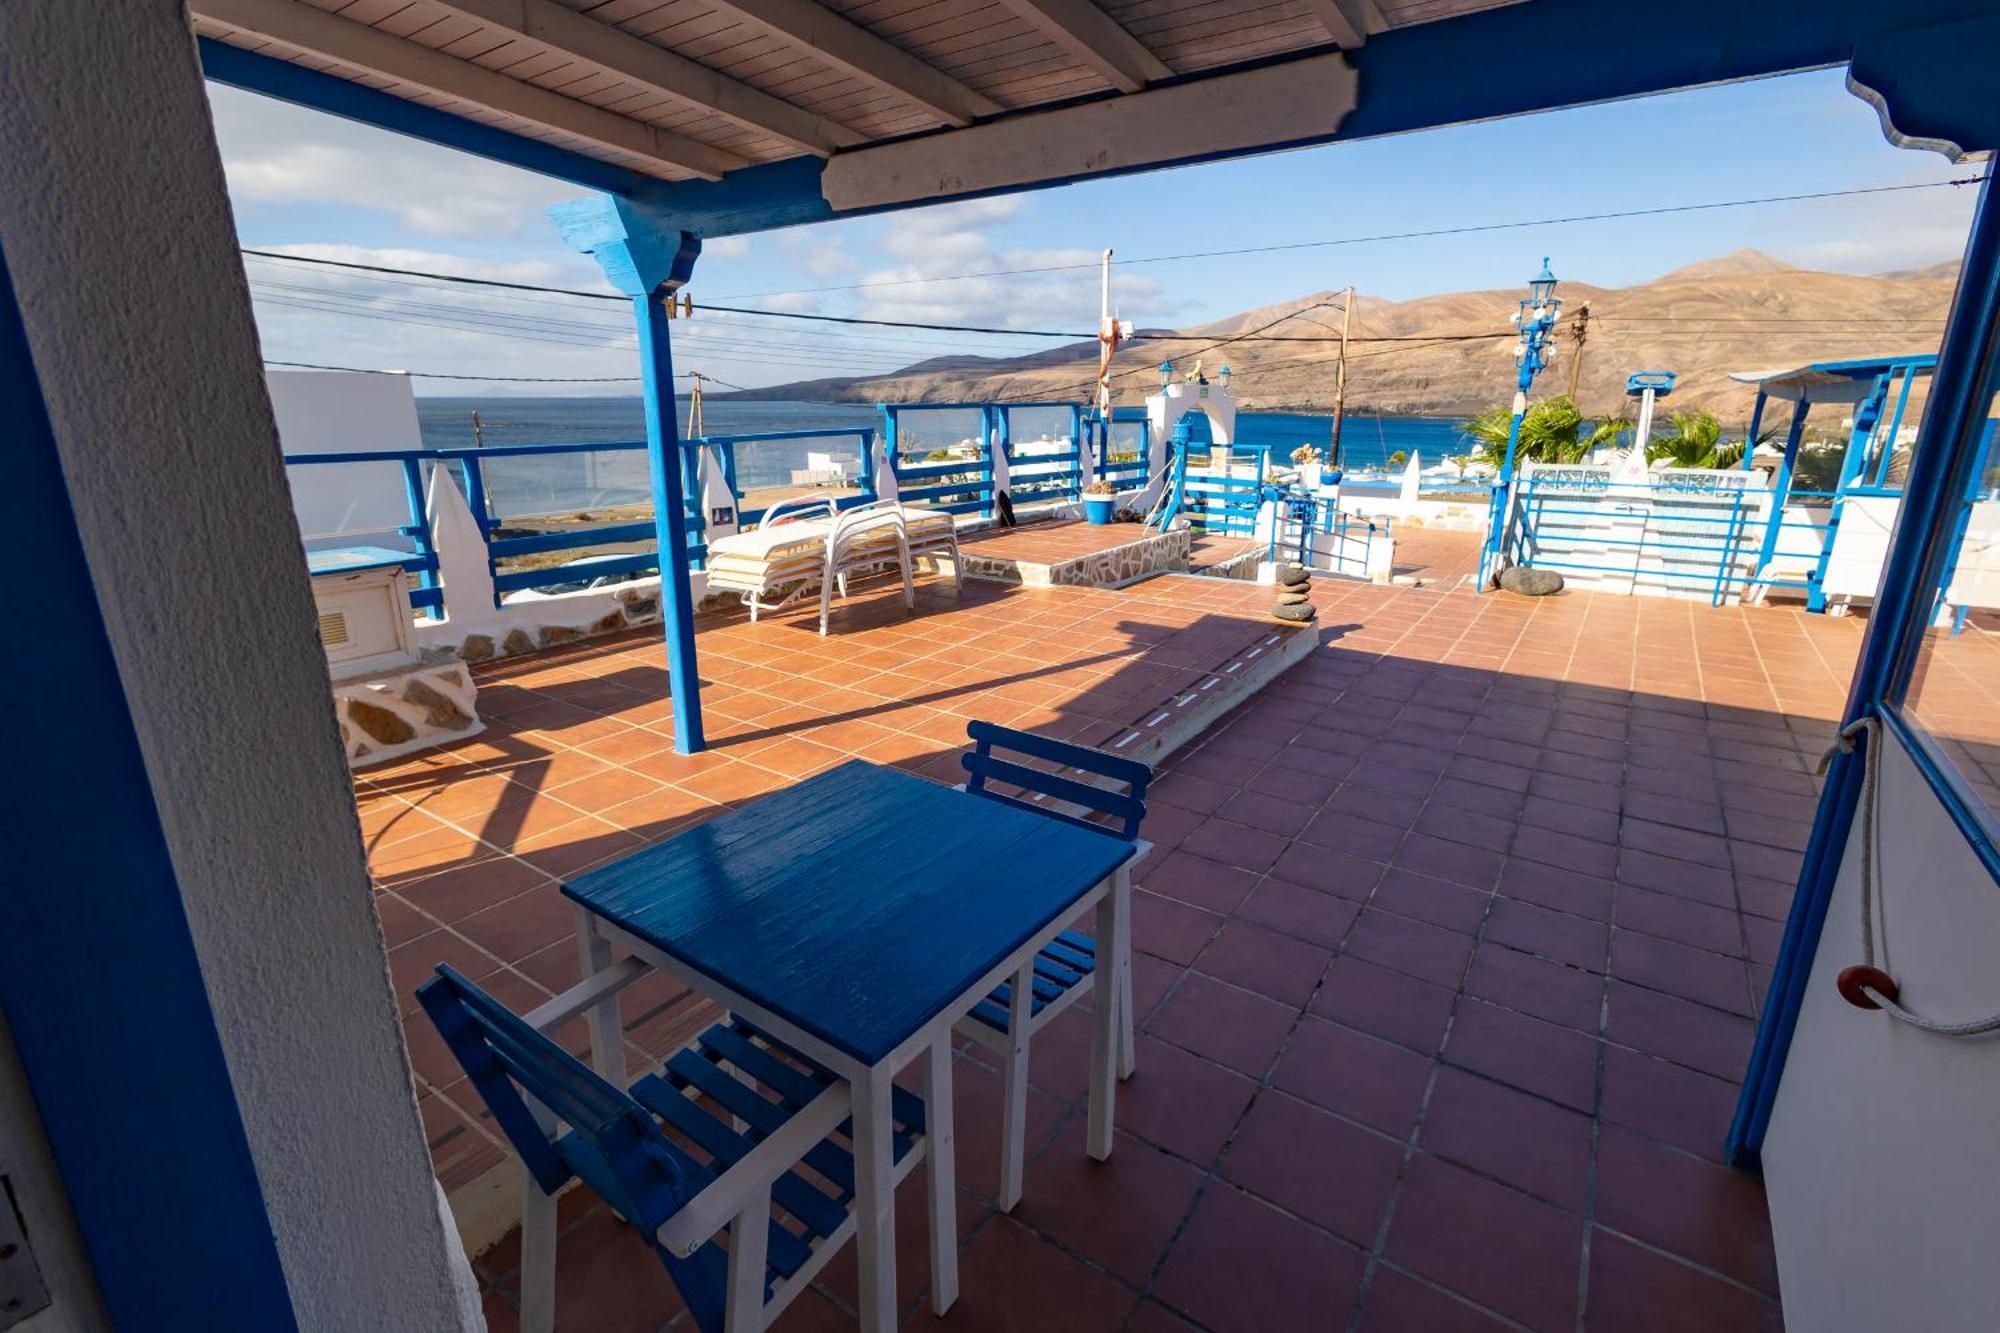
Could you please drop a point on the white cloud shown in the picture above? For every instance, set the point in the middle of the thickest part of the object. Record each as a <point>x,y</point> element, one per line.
<point>275,153</point>
<point>725,247</point>
<point>1879,233</point>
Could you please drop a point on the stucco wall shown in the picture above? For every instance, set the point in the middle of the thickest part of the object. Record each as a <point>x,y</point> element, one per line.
<point>115,222</point>
<point>1882,1164</point>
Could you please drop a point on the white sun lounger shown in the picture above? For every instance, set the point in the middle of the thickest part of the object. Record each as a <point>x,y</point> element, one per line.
<point>805,545</point>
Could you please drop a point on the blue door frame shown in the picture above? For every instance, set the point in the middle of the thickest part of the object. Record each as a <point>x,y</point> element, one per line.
<point>98,973</point>
<point>1949,445</point>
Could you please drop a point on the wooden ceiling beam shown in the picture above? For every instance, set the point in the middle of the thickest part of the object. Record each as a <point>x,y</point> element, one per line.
<point>1095,38</point>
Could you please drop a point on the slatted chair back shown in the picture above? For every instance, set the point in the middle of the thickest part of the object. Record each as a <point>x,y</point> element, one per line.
<point>613,1143</point>
<point>797,509</point>
<point>1122,811</point>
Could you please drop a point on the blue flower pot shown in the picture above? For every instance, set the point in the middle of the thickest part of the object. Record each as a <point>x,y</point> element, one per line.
<point>1097,509</point>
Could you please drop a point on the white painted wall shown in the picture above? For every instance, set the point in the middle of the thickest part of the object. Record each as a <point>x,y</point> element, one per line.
<point>116,224</point>
<point>1883,1162</point>
<point>333,412</point>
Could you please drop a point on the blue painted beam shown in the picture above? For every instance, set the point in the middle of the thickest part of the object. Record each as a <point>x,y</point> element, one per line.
<point>1949,443</point>
<point>99,978</point>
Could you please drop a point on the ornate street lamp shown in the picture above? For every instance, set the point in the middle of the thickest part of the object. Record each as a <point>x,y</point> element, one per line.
<point>1224,375</point>
<point>1536,319</point>
<point>1166,374</point>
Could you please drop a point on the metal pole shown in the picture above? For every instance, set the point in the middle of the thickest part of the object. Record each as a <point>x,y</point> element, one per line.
<point>1946,451</point>
<point>1340,376</point>
<point>663,455</point>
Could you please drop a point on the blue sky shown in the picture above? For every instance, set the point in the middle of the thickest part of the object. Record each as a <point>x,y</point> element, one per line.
<point>318,185</point>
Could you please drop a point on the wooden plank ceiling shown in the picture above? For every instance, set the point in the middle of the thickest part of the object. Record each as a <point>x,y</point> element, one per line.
<point>695,89</point>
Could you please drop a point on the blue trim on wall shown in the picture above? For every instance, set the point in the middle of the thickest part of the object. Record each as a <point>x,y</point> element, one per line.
<point>98,973</point>
<point>1948,444</point>
<point>336,96</point>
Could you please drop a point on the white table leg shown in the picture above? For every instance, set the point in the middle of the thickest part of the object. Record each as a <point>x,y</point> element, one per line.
<point>1104,1041</point>
<point>607,1035</point>
<point>875,1201</point>
<point>1128,1055</point>
<point>1014,1086</point>
<point>941,1170</point>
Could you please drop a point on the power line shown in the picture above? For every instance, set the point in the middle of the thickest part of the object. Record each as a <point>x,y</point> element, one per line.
<point>438,375</point>
<point>1430,233</point>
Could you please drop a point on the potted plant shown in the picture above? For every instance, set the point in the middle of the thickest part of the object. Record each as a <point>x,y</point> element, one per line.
<point>1307,456</point>
<point>1099,499</point>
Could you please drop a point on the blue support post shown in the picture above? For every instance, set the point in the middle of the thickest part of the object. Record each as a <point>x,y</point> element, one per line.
<point>1880,474</point>
<point>648,258</point>
<point>1536,319</point>
<point>1750,436</point>
<point>1781,486</point>
<point>1946,452</point>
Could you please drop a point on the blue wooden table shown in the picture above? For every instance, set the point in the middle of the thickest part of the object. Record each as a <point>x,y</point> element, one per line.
<point>858,916</point>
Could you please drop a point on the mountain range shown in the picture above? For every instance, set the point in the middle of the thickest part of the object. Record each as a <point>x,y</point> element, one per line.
<point>1452,354</point>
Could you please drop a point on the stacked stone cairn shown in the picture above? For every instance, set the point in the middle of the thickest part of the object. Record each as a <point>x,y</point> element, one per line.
<point>1295,595</point>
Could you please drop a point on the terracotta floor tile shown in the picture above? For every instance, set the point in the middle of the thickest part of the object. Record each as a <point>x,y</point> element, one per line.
<point>1499,1248</point>
<point>1120,1213</point>
<point>1267,962</point>
<point>1550,1061</point>
<point>1169,929</point>
<point>1429,952</point>
<point>1540,987</point>
<point>1193,879</point>
<point>1524,1141</point>
<point>1689,1034</point>
<point>1241,1266</point>
<point>1235,844</point>
<point>1688,1206</point>
<point>1426,898</point>
<point>1372,1081</point>
<point>1401,1304</point>
<point>1299,912</point>
<point>1718,980</point>
<point>1306,1161</point>
<point>1634,1288</point>
<point>1385,1003</point>
<point>1182,1102</point>
<point>1228,1025</point>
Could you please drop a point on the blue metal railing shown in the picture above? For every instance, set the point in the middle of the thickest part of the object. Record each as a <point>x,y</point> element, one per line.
<point>426,595</point>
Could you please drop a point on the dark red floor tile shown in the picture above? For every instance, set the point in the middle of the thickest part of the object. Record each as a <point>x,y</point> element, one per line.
<point>1196,880</point>
<point>1358,1076</point>
<point>1474,867</point>
<point>1636,1289</point>
<point>1668,840</point>
<point>1492,773</point>
<point>1300,759</point>
<point>1718,980</point>
<point>1182,1102</point>
<point>1703,814</point>
<point>1235,844</point>
<point>1538,986</point>
<point>1532,928</point>
<point>1689,1034</point>
<point>1169,929</point>
<point>1580,821</point>
<point>1550,1061</point>
<point>1243,1267</point>
<point>1563,890</point>
<point>1187,792</point>
<point>1302,913</point>
<point>1476,798</point>
<point>1388,1004</point>
<point>608,1277</point>
<point>976,1103</point>
<point>1667,1101</point>
<point>1272,814</point>
<point>1650,912</point>
<point>1489,833</point>
<point>1529,1143</point>
<point>1368,799</point>
<point>1429,952</point>
<point>1328,870</point>
<point>1311,1163</point>
<point>1010,1279</point>
<point>1397,1303</point>
<point>1226,1024</point>
<point>1765,862</point>
<point>1427,898</point>
<point>1498,1247</point>
<point>1265,961</point>
<point>1354,834</point>
<point>1687,1206</point>
<point>1121,1212</point>
<point>1564,851</point>
<point>1683,879</point>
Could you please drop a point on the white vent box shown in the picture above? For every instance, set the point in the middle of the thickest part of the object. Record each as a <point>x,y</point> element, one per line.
<point>365,621</point>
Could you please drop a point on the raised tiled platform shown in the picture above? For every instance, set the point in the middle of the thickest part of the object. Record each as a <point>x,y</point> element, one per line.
<point>1068,553</point>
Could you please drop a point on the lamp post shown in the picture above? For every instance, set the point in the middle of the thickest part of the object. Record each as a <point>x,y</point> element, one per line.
<point>1166,374</point>
<point>1537,320</point>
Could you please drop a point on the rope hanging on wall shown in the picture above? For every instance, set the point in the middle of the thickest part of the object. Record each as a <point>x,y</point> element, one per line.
<point>1865,985</point>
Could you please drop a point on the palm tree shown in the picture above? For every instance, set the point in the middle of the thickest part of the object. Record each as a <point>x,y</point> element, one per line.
<point>1552,431</point>
<point>1696,441</point>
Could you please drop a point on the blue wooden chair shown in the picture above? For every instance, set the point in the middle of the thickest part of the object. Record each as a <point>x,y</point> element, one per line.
<point>1094,790</point>
<point>709,1144</point>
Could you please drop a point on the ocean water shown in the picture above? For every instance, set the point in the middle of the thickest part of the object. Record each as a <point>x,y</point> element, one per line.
<point>548,484</point>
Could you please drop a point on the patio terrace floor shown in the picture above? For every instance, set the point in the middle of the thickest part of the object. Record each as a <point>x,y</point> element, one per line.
<point>1448,954</point>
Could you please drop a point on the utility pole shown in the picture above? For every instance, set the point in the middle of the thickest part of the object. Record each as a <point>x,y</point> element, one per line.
<point>1340,376</point>
<point>1578,333</point>
<point>694,428</point>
